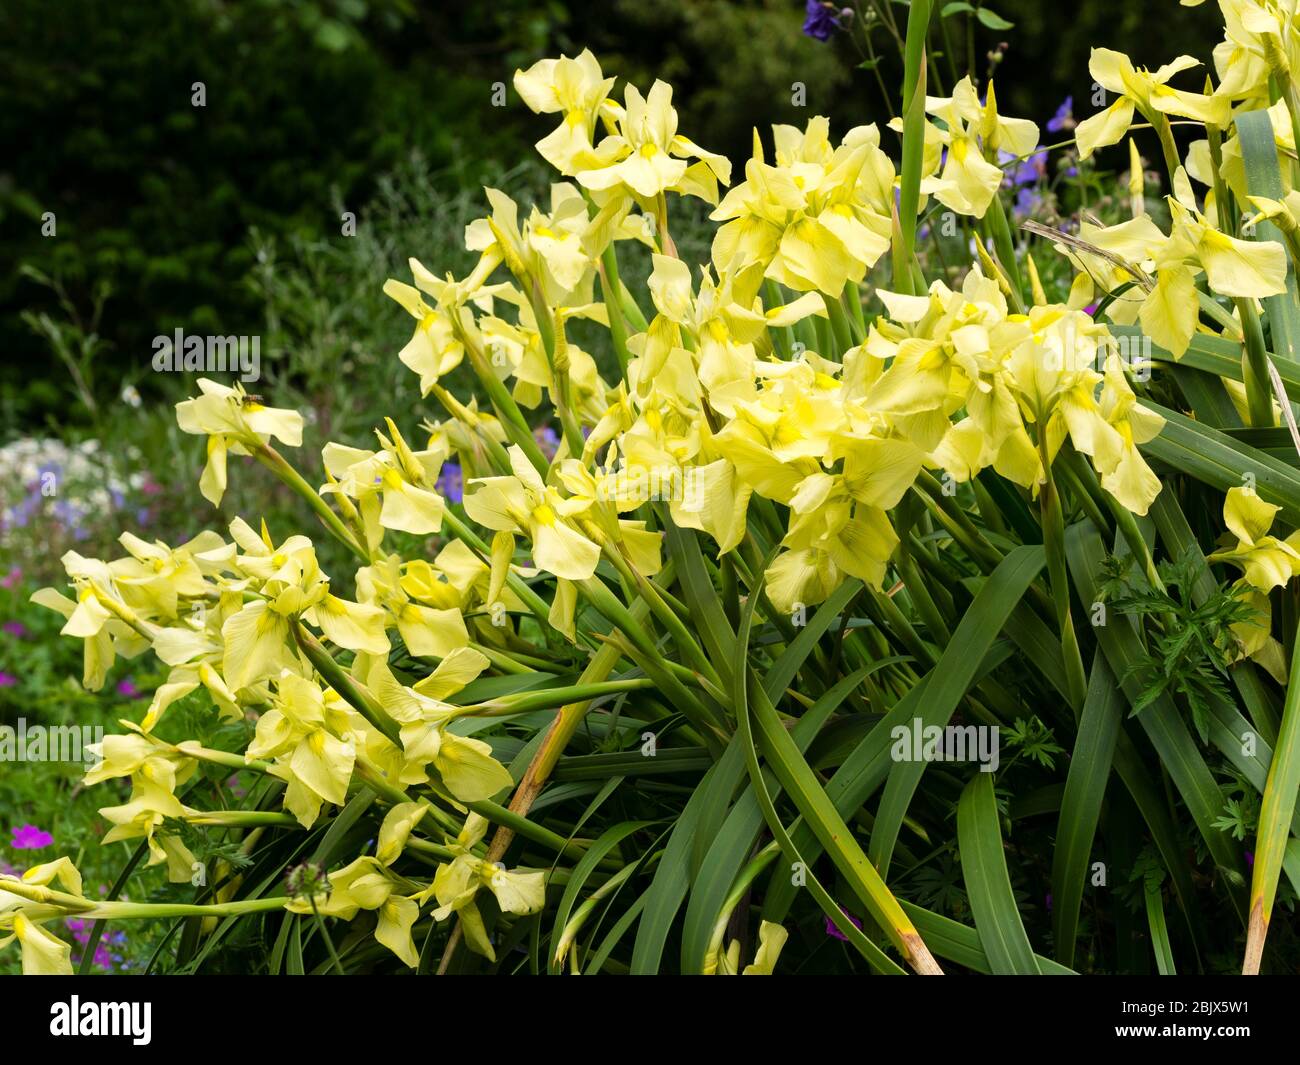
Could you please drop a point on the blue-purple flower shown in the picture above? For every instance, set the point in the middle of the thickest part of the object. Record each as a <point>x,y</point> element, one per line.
<point>823,19</point>
<point>1064,117</point>
<point>548,440</point>
<point>450,482</point>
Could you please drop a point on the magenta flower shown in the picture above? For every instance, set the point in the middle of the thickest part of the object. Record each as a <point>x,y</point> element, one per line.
<point>7,680</point>
<point>15,628</point>
<point>11,578</point>
<point>127,689</point>
<point>30,838</point>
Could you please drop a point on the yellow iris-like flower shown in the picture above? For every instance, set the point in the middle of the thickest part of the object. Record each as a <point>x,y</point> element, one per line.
<point>457,882</point>
<point>43,953</point>
<point>393,487</point>
<point>1147,92</point>
<point>307,741</point>
<point>367,884</point>
<point>524,504</point>
<point>646,156</point>
<point>818,218</point>
<point>234,422</point>
<point>974,133</point>
<point>578,91</point>
<point>1266,562</point>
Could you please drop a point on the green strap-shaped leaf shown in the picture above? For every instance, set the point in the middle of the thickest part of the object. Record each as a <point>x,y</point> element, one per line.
<point>668,888</point>
<point>808,796</point>
<point>1216,459</point>
<point>960,943</point>
<point>1160,720</point>
<point>1085,787</point>
<point>609,839</point>
<point>1276,813</point>
<point>988,884</point>
<point>953,675</point>
<point>734,842</point>
<point>1164,950</point>
<point>745,734</point>
<point>1264,178</point>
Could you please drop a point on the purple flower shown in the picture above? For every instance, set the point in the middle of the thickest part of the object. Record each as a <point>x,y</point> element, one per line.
<point>1064,117</point>
<point>15,628</point>
<point>1027,201</point>
<point>822,20</point>
<point>548,440</point>
<point>1032,170</point>
<point>831,930</point>
<point>7,680</point>
<point>104,956</point>
<point>449,482</point>
<point>1091,309</point>
<point>127,689</point>
<point>30,838</point>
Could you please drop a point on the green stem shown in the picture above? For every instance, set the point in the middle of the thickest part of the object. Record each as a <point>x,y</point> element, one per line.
<point>1254,367</point>
<point>610,284</point>
<point>839,324</point>
<point>279,465</point>
<point>552,697</point>
<point>918,24</point>
<point>1054,543</point>
<point>1000,231</point>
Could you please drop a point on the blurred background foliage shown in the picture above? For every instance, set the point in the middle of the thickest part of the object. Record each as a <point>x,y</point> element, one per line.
<point>161,207</point>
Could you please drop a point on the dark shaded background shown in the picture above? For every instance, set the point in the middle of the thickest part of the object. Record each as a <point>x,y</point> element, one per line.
<point>308,103</point>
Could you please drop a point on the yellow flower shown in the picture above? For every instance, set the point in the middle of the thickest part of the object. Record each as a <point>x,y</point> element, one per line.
<point>647,156</point>
<point>456,883</point>
<point>974,134</point>
<point>577,90</point>
<point>298,733</point>
<point>523,504</point>
<point>1266,561</point>
<point>1148,93</point>
<point>465,765</point>
<point>366,884</point>
<point>151,803</point>
<point>816,219</point>
<point>771,938</point>
<point>393,487</point>
<point>234,422</point>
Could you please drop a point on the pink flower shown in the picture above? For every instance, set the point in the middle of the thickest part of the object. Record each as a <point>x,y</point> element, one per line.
<point>11,578</point>
<point>30,838</point>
